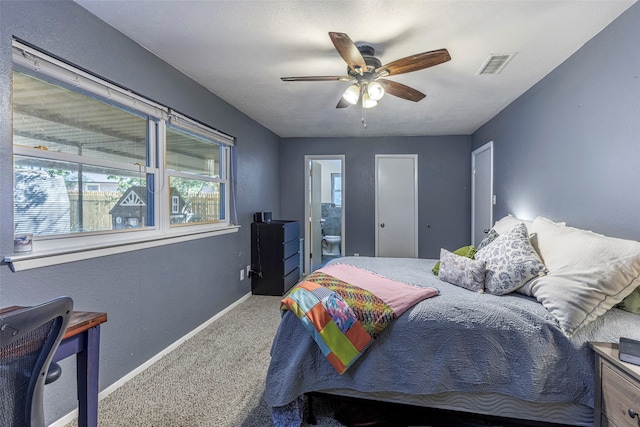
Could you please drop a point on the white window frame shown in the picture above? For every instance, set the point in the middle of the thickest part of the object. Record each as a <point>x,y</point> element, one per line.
<point>334,177</point>
<point>180,121</point>
<point>56,249</point>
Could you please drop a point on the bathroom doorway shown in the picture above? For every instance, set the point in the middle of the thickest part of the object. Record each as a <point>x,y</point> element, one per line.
<point>324,209</point>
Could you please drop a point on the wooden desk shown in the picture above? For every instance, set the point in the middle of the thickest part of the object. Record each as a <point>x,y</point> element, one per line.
<point>82,338</point>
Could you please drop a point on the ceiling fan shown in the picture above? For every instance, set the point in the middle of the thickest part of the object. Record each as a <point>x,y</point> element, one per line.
<point>367,73</point>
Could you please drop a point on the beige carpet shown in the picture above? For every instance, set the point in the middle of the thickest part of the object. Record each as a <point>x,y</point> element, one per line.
<point>215,379</point>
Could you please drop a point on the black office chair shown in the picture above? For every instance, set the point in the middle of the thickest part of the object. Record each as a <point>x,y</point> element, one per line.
<point>28,339</point>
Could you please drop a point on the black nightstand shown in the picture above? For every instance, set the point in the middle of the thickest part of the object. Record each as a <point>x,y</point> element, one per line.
<point>275,256</point>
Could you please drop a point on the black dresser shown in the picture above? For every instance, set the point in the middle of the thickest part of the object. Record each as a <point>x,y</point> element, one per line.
<point>275,257</point>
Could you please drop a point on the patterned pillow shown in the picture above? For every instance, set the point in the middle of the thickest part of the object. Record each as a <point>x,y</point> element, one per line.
<point>461,271</point>
<point>511,261</point>
<point>466,251</point>
<point>490,237</point>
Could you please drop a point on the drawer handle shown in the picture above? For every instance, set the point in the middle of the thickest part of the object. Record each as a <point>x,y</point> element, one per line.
<point>633,413</point>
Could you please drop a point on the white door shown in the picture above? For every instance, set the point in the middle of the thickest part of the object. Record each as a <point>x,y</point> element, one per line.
<point>481,192</point>
<point>396,184</point>
<point>316,215</point>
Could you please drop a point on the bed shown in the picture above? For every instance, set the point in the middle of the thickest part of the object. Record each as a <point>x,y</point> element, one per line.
<point>517,355</point>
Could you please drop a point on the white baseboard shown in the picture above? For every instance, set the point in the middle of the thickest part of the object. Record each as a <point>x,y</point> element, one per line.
<point>116,385</point>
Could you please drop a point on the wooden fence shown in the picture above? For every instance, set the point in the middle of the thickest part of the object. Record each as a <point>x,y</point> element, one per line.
<point>95,209</point>
<point>97,204</point>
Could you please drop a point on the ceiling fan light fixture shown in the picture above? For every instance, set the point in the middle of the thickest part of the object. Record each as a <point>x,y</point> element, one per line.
<point>352,94</point>
<point>364,69</point>
<point>367,102</point>
<point>375,91</point>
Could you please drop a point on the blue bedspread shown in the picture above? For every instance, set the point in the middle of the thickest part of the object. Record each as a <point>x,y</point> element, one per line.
<point>458,341</point>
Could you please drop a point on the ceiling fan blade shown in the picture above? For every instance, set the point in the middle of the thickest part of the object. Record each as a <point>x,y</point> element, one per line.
<point>342,103</point>
<point>415,62</point>
<point>348,50</point>
<point>401,91</point>
<point>317,78</point>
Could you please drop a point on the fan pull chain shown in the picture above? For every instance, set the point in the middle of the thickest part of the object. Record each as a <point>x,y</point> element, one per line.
<point>363,120</point>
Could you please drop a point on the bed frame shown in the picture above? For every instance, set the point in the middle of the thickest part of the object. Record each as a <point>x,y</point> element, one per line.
<point>491,405</point>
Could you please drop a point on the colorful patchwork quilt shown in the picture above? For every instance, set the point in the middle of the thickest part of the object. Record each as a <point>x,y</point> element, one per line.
<point>345,308</point>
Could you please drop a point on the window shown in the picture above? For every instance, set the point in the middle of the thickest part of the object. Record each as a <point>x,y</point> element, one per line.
<point>196,167</point>
<point>92,159</point>
<point>336,189</point>
<point>62,140</point>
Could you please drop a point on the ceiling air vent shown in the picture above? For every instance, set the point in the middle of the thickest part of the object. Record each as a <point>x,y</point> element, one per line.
<point>495,64</point>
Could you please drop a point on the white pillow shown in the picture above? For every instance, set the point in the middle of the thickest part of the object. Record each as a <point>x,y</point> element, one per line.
<point>506,223</point>
<point>588,273</point>
<point>461,271</point>
<point>510,260</point>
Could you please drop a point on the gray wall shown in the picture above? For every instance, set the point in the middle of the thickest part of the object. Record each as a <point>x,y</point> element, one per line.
<point>444,186</point>
<point>152,297</point>
<point>569,148</point>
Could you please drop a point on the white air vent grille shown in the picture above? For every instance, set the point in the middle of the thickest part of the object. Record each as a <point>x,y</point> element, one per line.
<point>495,64</point>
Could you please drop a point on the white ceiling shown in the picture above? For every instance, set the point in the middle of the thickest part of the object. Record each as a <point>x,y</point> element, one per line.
<point>240,49</point>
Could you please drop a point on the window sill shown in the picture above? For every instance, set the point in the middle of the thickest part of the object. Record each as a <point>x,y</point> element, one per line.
<point>53,256</point>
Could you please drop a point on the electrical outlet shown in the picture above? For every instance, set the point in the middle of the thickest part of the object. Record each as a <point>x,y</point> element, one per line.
<point>249,270</point>
<point>356,254</point>
<point>242,274</point>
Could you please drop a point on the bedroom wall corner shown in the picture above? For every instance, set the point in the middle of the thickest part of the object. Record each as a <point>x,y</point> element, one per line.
<point>568,148</point>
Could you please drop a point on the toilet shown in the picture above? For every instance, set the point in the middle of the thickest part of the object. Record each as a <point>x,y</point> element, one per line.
<point>331,245</point>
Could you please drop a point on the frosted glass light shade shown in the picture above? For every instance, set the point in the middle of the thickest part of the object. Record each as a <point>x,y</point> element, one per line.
<point>375,91</point>
<point>352,94</point>
<point>367,102</point>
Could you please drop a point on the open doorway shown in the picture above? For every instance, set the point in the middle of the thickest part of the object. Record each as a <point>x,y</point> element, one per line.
<point>482,199</point>
<point>324,210</point>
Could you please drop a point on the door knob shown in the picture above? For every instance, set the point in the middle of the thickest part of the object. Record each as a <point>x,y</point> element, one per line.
<point>382,225</point>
